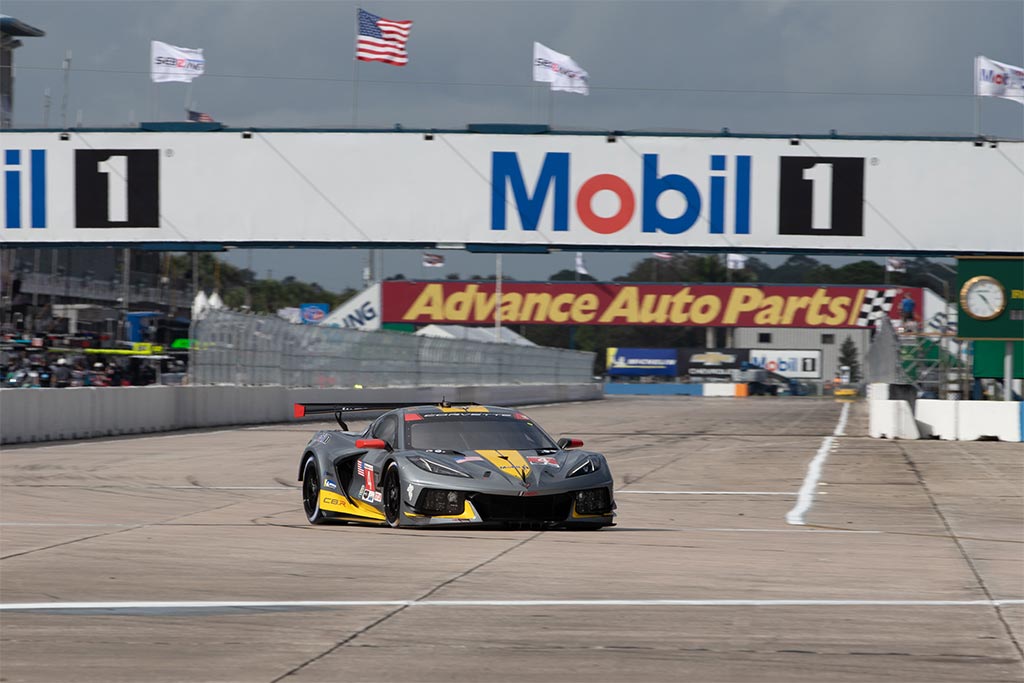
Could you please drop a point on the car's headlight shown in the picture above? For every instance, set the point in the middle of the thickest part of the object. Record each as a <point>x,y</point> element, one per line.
<point>588,466</point>
<point>435,467</point>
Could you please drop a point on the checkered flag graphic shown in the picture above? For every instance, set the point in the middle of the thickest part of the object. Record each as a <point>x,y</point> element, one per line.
<point>941,322</point>
<point>877,304</point>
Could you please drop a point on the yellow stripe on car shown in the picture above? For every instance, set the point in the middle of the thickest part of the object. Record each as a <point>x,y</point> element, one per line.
<point>507,461</point>
<point>335,502</point>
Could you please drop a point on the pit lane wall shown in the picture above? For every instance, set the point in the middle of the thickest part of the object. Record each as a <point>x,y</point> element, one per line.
<point>28,415</point>
<point>894,413</point>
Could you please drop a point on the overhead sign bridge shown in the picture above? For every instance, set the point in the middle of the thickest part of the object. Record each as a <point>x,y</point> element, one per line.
<point>202,186</point>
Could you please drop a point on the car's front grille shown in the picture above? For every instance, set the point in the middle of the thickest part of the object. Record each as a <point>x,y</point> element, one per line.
<point>552,508</point>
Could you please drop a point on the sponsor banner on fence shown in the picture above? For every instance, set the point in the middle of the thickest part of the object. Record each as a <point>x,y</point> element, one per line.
<point>361,312</point>
<point>730,193</point>
<point>313,314</point>
<point>711,363</point>
<point>800,364</point>
<point>635,362</point>
<point>688,305</point>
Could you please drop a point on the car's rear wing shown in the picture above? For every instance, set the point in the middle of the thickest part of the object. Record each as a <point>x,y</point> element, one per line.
<point>338,409</point>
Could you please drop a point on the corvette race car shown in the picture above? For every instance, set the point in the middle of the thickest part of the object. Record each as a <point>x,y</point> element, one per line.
<point>451,464</point>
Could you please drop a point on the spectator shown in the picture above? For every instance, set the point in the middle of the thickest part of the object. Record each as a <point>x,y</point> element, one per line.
<point>61,374</point>
<point>907,308</point>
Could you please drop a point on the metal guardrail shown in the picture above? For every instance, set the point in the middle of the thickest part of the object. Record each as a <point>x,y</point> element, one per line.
<point>243,349</point>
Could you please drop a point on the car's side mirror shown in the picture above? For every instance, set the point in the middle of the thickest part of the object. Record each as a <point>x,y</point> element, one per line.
<point>569,443</point>
<point>372,444</point>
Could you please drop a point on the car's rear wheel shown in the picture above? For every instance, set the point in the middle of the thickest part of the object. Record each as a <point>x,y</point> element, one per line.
<point>392,495</point>
<point>311,492</point>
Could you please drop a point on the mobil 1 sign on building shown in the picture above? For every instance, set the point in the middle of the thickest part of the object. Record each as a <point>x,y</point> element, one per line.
<point>508,191</point>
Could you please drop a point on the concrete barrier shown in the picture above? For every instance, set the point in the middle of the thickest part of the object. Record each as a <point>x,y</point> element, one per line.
<point>890,419</point>
<point>989,419</point>
<point>28,415</point>
<point>937,419</point>
<point>725,390</point>
<point>711,389</point>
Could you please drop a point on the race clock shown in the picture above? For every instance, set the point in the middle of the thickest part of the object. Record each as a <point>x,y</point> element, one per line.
<point>983,297</point>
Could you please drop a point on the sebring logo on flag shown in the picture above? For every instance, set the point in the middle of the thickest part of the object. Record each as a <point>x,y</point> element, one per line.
<point>382,40</point>
<point>559,70</point>
<point>171,63</point>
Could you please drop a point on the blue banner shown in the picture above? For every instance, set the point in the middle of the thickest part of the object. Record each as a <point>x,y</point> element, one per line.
<point>625,362</point>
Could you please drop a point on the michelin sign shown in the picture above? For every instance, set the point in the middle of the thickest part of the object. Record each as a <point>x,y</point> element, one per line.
<point>624,362</point>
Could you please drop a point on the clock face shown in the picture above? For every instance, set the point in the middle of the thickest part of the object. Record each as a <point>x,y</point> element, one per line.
<point>983,297</point>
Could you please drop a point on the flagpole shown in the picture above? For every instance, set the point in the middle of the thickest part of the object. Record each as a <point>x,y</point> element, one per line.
<point>497,297</point>
<point>551,108</point>
<point>355,75</point>
<point>977,102</point>
<point>64,95</point>
<point>188,96</point>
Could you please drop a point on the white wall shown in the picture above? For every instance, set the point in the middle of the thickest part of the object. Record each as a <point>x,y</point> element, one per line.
<point>85,412</point>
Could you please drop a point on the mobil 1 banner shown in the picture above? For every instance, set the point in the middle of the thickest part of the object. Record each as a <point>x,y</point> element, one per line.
<point>711,363</point>
<point>675,193</point>
<point>802,364</point>
<point>626,362</point>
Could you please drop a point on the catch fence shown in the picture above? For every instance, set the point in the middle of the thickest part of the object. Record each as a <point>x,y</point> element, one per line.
<point>245,349</point>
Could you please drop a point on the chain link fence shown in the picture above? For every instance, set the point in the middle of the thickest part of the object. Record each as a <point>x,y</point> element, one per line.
<point>241,349</point>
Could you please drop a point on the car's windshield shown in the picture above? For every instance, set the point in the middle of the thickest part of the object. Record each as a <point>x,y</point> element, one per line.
<point>475,432</point>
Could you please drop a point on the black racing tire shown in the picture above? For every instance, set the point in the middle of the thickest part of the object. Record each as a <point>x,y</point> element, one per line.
<point>311,492</point>
<point>392,495</point>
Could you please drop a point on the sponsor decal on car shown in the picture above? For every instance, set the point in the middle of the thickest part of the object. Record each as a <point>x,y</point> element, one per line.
<point>542,460</point>
<point>330,484</point>
<point>368,492</point>
<point>469,458</point>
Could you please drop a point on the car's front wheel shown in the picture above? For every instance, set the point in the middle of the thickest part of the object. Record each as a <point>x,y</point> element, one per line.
<point>392,495</point>
<point>311,492</point>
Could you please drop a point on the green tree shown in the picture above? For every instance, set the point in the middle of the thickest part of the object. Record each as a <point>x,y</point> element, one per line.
<point>848,356</point>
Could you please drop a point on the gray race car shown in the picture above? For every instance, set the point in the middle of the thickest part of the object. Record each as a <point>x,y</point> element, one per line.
<point>451,464</point>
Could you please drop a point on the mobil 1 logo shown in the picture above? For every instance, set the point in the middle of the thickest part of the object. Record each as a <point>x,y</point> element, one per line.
<point>821,196</point>
<point>117,188</point>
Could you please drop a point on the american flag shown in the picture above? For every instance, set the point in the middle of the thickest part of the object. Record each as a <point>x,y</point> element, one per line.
<point>382,40</point>
<point>199,116</point>
<point>433,260</point>
<point>662,255</point>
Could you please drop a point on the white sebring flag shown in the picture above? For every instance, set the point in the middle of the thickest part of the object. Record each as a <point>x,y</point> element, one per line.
<point>559,70</point>
<point>735,261</point>
<point>895,265</point>
<point>995,79</point>
<point>172,63</point>
<point>581,267</point>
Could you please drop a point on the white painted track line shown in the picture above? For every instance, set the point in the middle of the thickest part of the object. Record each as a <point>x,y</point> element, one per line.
<point>209,604</point>
<point>806,495</point>
<point>710,493</point>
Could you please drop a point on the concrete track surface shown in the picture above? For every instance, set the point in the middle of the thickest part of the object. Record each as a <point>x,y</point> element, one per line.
<point>908,566</point>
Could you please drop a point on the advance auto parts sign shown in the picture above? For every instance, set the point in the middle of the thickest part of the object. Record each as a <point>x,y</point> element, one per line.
<point>540,303</point>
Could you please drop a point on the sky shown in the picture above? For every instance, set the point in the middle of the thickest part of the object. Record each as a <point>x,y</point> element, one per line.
<point>797,67</point>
